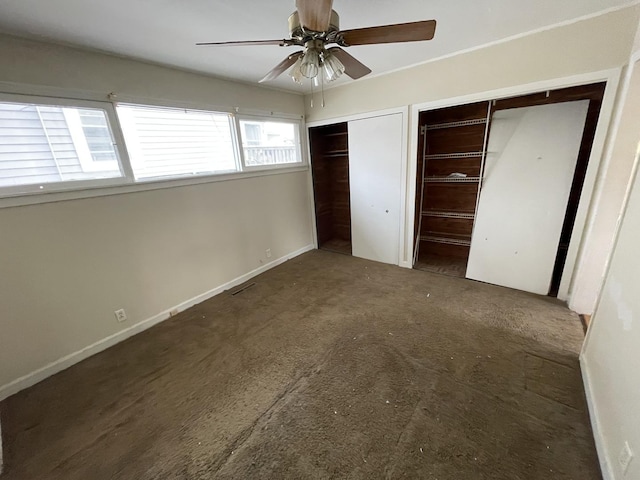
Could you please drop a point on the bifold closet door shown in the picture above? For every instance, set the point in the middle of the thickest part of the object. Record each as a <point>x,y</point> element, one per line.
<point>375,170</point>
<point>532,154</point>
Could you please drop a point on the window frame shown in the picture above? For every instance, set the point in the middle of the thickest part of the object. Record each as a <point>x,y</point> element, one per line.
<point>20,195</point>
<point>68,185</point>
<point>274,119</point>
<point>160,178</point>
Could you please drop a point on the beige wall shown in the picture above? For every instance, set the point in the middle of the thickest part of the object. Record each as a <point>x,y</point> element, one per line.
<point>28,62</point>
<point>579,48</point>
<point>614,178</point>
<point>66,266</point>
<point>611,356</point>
<point>590,45</point>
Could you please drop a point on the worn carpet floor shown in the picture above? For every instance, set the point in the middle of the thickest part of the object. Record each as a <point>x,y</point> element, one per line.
<point>328,367</point>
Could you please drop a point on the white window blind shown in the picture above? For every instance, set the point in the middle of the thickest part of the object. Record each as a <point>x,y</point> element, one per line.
<point>39,144</point>
<point>165,142</point>
<point>267,143</point>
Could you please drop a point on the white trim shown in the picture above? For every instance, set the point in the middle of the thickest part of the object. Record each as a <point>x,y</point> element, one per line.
<point>65,362</point>
<point>603,458</point>
<point>610,76</point>
<point>584,215</point>
<point>403,253</point>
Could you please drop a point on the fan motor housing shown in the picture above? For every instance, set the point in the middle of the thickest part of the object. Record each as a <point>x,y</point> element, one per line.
<point>298,32</point>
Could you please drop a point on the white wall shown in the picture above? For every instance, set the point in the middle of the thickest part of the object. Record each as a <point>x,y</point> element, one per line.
<point>609,197</point>
<point>565,51</point>
<point>611,356</point>
<point>66,266</point>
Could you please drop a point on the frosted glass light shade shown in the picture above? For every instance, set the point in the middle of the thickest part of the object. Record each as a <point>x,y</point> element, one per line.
<point>296,72</point>
<point>310,64</point>
<point>332,67</point>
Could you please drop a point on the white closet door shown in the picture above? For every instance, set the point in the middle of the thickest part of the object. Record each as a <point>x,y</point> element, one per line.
<point>531,159</point>
<point>375,163</point>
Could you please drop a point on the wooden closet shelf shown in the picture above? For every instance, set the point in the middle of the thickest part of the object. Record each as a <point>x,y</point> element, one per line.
<point>461,123</point>
<point>332,155</point>
<point>437,179</point>
<point>448,214</point>
<point>449,156</point>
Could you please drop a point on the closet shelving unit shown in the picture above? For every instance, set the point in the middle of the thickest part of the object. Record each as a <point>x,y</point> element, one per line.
<point>450,168</point>
<point>330,168</point>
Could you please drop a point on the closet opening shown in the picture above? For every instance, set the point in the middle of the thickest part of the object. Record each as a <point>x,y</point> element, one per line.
<point>330,170</point>
<point>450,160</point>
<point>452,154</point>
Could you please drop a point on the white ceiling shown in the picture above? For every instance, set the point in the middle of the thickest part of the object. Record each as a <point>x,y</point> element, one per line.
<point>165,31</point>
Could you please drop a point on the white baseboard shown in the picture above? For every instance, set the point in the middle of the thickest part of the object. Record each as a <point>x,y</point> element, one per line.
<point>607,473</point>
<point>52,368</point>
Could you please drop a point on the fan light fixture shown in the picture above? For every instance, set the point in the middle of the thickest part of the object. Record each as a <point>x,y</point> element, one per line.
<point>316,61</point>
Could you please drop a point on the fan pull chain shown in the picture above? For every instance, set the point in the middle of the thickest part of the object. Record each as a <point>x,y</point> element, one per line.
<point>312,93</point>
<point>322,88</point>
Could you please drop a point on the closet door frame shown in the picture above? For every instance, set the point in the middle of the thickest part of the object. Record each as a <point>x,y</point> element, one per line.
<point>404,175</point>
<point>582,222</point>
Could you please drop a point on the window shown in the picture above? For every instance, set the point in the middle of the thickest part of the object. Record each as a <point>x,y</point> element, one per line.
<point>92,137</point>
<point>166,142</point>
<point>50,144</point>
<point>43,144</point>
<point>268,142</point>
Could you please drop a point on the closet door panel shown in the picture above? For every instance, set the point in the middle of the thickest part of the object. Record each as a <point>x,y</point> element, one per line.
<point>531,159</point>
<point>375,168</point>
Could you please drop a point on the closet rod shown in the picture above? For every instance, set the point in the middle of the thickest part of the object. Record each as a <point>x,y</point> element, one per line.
<point>446,240</point>
<point>443,214</point>
<point>446,156</point>
<point>452,179</point>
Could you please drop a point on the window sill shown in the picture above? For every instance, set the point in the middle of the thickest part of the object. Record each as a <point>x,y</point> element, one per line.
<point>144,185</point>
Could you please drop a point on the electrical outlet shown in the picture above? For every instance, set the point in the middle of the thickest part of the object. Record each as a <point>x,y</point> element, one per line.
<point>625,457</point>
<point>121,315</point>
<point>268,252</point>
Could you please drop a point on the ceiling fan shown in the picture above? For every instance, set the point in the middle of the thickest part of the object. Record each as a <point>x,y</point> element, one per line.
<point>314,25</point>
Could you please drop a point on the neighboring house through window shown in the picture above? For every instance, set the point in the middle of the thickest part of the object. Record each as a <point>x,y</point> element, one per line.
<point>44,144</point>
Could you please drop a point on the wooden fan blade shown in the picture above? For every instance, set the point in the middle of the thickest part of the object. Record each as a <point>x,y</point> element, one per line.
<point>352,67</point>
<point>281,67</point>
<point>314,14</point>
<point>282,43</point>
<point>401,32</point>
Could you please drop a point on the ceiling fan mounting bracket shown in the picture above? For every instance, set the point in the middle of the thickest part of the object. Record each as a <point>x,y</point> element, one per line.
<point>301,35</point>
